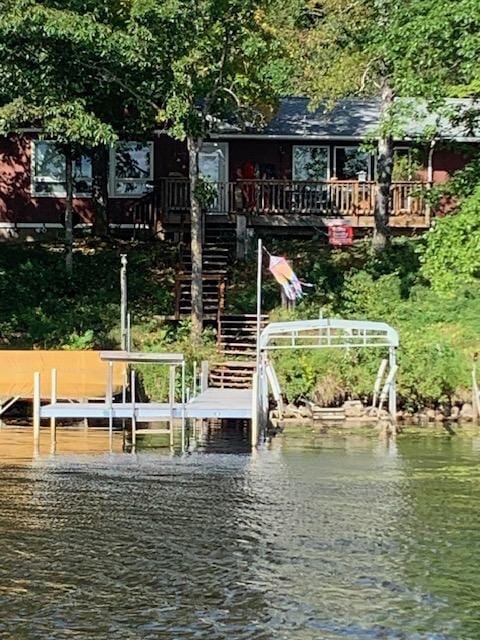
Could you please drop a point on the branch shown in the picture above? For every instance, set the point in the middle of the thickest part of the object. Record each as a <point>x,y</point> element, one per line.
<point>108,75</point>
<point>363,81</point>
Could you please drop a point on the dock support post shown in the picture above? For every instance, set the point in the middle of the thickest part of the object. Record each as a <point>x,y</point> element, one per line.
<point>53,422</point>
<point>171,398</point>
<point>255,411</point>
<point>183,407</point>
<point>194,392</point>
<point>123,302</point>
<point>134,421</point>
<point>204,376</point>
<point>36,412</point>
<point>110,403</point>
<point>378,382</point>
<point>392,393</point>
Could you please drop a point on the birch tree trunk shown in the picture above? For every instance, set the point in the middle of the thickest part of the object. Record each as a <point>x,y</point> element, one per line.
<point>69,212</point>
<point>384,172</point>
<point>196,226</point>
<point>100,190</point>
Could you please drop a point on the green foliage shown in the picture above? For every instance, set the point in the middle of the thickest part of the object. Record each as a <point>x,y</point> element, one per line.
<point>451,260</point>
<point>40,308</point>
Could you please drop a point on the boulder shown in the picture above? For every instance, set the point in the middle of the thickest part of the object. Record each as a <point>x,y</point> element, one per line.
<point>454,413</point>
<point>353,409</point>
<point>430,413</point>
<point>466,412</point>
<point>439,417</point>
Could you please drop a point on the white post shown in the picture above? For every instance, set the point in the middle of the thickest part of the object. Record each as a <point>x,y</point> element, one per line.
<point>134,421</point>
<point>36,412</point>
<point>183,407</point>
<point>378,381</point>
<point>110,404</point>
<point>194,391</point>
<point>255,411</point>
<point>259,300</point>
<point>392,394</point>
<point>171,398</point>
<point>53,422</point>
<point>123,302</point>
<point>129,332</point>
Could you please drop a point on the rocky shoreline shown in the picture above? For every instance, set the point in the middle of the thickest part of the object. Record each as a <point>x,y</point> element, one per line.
<point>355,413</point>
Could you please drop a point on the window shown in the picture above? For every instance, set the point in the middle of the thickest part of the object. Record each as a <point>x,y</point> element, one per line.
<point>310,163</point>
<point>407,164</point>
<point>351,163</point>
<point>49,171</point>
<point>131,168</point>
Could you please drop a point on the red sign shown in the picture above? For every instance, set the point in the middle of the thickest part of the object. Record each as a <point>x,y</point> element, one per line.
<point>340,235</point>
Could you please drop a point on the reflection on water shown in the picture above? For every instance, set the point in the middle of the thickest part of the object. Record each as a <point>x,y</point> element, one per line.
<point>311,538</point>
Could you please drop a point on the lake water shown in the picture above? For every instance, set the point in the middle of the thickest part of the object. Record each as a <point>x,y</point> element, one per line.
<point>315,537</point>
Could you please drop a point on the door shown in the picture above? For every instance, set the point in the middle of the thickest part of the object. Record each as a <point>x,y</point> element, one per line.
<point>213,168</point>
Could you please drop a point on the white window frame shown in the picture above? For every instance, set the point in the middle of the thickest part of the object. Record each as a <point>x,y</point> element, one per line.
<point>112,174</point>
<point>351,146</point>
<point>311,146</point>
<point>58,192</point>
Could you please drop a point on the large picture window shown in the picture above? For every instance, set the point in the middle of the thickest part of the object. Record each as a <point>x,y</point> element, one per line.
<point>49,171</point>
<point>351,164</point>
<point>310,163</point>
<point>131,168</point>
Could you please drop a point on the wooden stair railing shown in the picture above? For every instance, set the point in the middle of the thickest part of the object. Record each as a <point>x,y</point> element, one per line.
<point>147,216</point>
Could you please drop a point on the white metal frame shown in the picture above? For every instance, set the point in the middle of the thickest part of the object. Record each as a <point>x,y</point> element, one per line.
<point>326,333</point>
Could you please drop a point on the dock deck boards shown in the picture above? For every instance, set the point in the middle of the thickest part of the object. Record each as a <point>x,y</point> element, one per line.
<point>212,403</point>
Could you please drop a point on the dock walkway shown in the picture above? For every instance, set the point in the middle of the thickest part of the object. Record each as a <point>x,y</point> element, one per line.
<point>212,403</point>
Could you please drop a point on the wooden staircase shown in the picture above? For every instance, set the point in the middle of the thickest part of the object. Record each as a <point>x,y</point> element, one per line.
<point>217,253</point>
<point>236,338</point>
<point>236,335</point>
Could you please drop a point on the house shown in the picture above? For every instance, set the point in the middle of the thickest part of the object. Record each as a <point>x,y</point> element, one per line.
<point>298,171</point>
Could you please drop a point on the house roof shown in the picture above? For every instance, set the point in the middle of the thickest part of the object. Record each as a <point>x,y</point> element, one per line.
<point>357,119</point>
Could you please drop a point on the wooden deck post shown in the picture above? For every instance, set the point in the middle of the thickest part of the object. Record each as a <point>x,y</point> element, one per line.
<point>53,422</point>
<point>36,412</point>
<point>241,233</point>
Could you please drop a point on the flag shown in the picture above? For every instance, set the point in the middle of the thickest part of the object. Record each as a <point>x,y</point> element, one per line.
<point>285,276</point>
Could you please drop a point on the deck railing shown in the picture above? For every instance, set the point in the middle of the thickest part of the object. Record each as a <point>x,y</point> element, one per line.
<point>330,197</point>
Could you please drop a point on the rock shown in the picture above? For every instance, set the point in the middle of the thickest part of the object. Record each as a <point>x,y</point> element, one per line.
<point>353,409</point>
<point>439,417</point>
<point>422,419</point>
<point>466,412</point>
<point>304,412</point>
<point>430,413</point>
<point>399,416</point>
<point>454,413</point>
<point>290,411</point>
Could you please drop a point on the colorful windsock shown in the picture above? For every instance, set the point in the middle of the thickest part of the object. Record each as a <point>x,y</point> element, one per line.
<point>285,276</point>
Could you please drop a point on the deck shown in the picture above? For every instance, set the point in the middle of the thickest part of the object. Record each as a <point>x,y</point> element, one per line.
<point>227,404</point>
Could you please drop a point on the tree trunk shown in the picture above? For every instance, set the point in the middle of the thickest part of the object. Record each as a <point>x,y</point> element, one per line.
<point>384,172</point>
<point>100,190</point>
<point>69,212</point>
<point>196,226</point>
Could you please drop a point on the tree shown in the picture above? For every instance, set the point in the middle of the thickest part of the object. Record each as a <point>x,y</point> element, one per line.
<point>385,49</point>
<point>211,68</point>
<point>59,62</point>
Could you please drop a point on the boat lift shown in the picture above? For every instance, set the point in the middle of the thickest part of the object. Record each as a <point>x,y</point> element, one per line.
<point>318,334</point>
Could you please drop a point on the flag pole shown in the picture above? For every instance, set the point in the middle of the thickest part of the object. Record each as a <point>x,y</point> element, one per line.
<point>259,299</point>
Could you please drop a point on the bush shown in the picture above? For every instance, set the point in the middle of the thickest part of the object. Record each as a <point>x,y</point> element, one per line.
<point>451,259</point>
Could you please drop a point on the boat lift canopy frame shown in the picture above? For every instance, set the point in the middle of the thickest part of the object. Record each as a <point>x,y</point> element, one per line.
<point>329,333</point>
